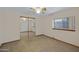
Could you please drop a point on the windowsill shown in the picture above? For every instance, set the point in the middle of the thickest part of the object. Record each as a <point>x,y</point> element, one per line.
<point>63,29</point>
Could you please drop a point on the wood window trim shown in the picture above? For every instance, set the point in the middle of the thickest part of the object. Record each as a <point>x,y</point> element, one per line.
<point>64,29</point>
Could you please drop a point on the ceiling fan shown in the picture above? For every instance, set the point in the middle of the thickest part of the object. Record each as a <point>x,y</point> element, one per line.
<point>39,10</point>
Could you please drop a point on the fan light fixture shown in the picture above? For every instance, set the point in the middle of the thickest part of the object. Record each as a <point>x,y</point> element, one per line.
<point>39,9</point>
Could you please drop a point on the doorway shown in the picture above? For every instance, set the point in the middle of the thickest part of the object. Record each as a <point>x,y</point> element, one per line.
<point>27,27</point>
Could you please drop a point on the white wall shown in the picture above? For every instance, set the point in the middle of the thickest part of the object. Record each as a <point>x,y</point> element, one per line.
<point>39,26</point>
<point>2,26</point>
<point>66,36</point>
<point>9,25</point>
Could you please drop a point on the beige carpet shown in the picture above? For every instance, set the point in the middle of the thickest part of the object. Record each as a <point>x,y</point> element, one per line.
<point>38,44</point>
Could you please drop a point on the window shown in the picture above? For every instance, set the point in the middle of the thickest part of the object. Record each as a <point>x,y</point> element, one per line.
<point>66,23</point>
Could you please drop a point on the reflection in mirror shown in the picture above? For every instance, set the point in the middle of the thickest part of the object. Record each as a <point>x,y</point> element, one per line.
<point>65,23</point>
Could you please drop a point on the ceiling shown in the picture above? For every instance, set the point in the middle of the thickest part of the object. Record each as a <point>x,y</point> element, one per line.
<point>49,10</point>
<point>29,11</point>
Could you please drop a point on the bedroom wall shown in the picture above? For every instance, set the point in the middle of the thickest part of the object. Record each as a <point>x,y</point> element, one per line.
<point>9,25</point>
<point>66,36</point>
<point>39,26</point>
<point>1,25</point>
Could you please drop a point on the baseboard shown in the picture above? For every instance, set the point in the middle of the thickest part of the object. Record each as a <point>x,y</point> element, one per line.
<point>10,41</point>
<point>26,31</point>
<point>58,40</point>
<point>40,35</point>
